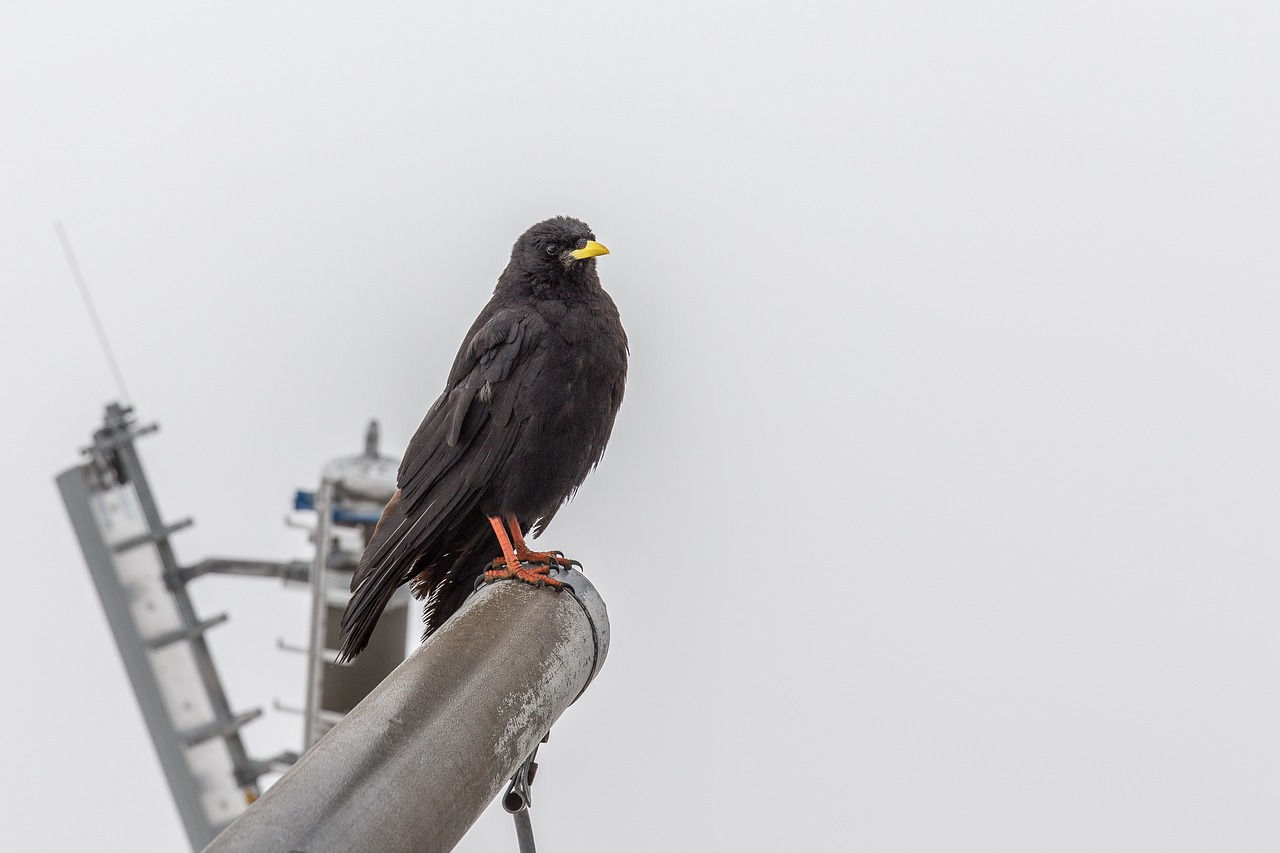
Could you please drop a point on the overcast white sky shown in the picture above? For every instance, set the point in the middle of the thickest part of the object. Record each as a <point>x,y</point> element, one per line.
<point>942,510</point>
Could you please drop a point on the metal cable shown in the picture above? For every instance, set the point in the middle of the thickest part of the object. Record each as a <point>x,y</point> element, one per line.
<point>93,311</point>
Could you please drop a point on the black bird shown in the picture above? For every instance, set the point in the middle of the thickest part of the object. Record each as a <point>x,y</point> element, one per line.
<point>524,417</point>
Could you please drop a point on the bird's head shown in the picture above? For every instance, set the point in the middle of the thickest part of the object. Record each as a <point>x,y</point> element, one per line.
<point>557,249</point>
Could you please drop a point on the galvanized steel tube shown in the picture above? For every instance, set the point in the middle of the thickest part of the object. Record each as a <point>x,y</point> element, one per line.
<point>319,608</point>
<point>415,763</point>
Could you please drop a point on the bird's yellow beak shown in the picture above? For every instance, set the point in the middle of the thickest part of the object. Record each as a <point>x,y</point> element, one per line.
<point>589,251</point>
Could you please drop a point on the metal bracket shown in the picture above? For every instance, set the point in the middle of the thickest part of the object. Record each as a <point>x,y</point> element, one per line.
<point>218,728</point>
<point>152,536</point>
<point>584,593</point>
<point>186,633</point>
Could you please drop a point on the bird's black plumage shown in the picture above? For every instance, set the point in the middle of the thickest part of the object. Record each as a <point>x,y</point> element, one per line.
<point>524,417</point>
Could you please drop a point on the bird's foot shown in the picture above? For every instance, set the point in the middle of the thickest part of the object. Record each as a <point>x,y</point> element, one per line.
<point>545,558</point>
<point>534,573</point>
<point>553,558</point>
<point>540,558</point>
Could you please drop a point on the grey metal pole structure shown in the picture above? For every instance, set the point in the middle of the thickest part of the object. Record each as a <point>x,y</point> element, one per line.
<point>158,632</point>
<point>229,724</point>
<point>414,764</point>
<point>319,608</point>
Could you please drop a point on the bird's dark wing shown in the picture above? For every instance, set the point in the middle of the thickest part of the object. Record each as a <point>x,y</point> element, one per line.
<point>463,441</point>
<point>479,372</point>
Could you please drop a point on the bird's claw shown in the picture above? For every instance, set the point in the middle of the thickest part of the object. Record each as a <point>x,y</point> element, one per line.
<point>534,574</point>
<point>538,558</point>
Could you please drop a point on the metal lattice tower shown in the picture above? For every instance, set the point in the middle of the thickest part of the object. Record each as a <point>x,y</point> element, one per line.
<point>161,638</point>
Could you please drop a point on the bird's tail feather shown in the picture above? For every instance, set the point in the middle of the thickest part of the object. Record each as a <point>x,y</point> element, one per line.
<point>361,615</point>
<point>448,592</point>
<point>374,583</point>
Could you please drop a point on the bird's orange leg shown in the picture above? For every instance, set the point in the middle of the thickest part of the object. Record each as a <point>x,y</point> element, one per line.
<point>522,549</point>
<point>535,574</point>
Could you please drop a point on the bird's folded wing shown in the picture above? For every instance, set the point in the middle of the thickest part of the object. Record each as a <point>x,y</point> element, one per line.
<point>458,449</point>
<point>470,426</point>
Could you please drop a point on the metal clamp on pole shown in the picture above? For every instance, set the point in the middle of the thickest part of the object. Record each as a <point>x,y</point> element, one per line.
<point>412,766</point>
<point>519,798</point>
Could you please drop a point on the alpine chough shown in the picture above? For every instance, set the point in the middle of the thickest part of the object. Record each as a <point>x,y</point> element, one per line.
<point>524,417</point>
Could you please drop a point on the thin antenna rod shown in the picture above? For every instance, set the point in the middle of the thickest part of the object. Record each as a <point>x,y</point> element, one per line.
<point>93,312</point>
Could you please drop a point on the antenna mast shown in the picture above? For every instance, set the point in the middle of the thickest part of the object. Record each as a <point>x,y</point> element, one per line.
<point>93,312</point>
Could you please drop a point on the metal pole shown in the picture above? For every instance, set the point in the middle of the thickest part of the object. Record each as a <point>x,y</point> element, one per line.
<point>319,608</point>
<point>161,639</point>
<point>414,764</point>
<point>77,492</point>
<point>117,427</point>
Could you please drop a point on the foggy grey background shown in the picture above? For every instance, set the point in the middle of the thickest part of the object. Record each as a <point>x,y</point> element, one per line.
<point>941,511</point>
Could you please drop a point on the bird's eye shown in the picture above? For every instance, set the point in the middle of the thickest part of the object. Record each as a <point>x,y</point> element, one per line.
<point>553,249</point>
